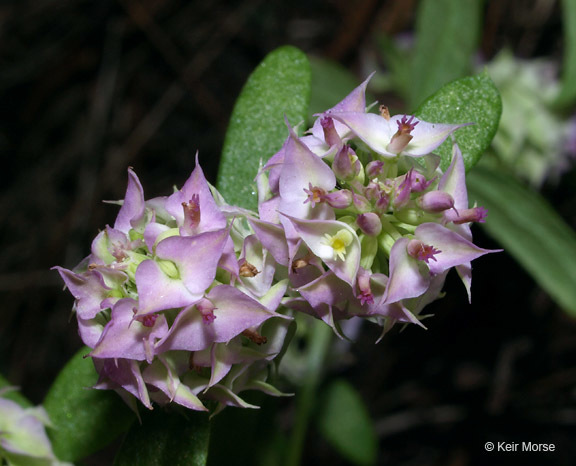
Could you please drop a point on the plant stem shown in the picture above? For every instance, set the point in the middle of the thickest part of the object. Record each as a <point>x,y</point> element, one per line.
<point>320,338</point>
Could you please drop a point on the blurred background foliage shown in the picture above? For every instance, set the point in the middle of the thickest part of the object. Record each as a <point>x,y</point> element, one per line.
<point>89,88</point>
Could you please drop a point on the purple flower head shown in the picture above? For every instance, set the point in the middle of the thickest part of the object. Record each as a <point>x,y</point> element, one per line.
<point>385,247</point>
<point>179,279</point>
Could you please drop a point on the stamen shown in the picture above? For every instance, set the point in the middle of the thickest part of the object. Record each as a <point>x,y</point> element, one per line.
<point>248,270</point>
<point>406,125</point>
<point>206,308</point>
<point>299,264</point>
<point>254,336</point>
<point>315,195</point>
<point>422,252</point>
<point>192,213</point>
<point>384,112</point>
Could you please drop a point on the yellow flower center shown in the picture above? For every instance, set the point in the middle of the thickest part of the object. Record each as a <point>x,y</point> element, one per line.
<point>339,242</point>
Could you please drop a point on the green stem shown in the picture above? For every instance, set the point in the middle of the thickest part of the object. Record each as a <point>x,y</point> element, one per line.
<point>320,338</point>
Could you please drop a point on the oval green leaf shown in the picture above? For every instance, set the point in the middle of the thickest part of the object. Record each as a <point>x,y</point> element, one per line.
<point>166,438</point>
<point>447,33</point>
<point>344,422</point>
<point>473,99</point>
<point>530,230</point>
<point>278,87</point>
<point>84,420</point>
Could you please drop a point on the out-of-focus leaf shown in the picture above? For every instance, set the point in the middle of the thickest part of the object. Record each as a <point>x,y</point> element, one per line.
<point>447,33</point>
<point>13,395</point>
<point>530,230</point>
<point>473,99</point>
<point>567,94</point>
<point>84,420</point>
<point>398,59</point>
<point>345,424</point>
<point>278,87</point>
<point>166,438</point>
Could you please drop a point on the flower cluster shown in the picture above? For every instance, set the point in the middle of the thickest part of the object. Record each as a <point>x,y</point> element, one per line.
<point>360,213</point>
<point>23,439</point>
<point>533,139</point>
<point>178,300</point>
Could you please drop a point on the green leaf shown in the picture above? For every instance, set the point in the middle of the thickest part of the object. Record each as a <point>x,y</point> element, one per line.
<point>346,425</point>
<point>447,34</point>
<point>530,230</point>
<point>167,438</point>
<point>473,99</point>
<point>279,86</point>
<point>567,94</point>
<point>85,420</point>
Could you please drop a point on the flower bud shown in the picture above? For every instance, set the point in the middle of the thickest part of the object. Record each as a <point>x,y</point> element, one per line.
<point>361,203</point>
<point>346,165</point>
<point>475,214</point>
<point>369,223</point>
<point>418,181</point>
<point>339,199</point>
<point>330,134</point>
<point>435,201</point>
<point>374,169</point>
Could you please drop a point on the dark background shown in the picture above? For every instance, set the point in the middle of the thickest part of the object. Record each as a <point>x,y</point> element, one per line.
<point>88,88</point>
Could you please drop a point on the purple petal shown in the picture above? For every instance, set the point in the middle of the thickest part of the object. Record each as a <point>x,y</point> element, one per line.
<point>300,169</point>
<point>453,181</point>
<point>373,129</point>
<point>89,289</point>
<point>272,238</point>
<point>160,375</point>
<point>455,250</point>
<point>407,277</point>
<point>313,234</point>
<point>132,211</point>
<point>326,289</point>
<point>211,218</point>
<point>353,102</point>
<point>123,373</point>
<point>125,337</point>
<point>157,292</point>
<point>234,312</point>
<point>426,137</point>
<point>196,257</point>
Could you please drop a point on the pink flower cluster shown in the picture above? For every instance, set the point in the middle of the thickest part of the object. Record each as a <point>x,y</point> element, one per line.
<point>362,216</point>
<point>179,300</point>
